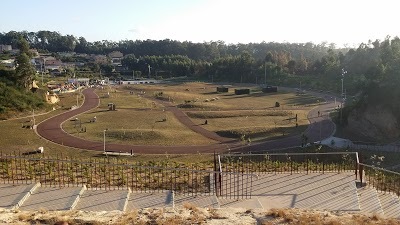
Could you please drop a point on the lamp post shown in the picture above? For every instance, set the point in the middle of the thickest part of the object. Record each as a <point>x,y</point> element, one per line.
<point>265,73</point>
<point>343,97</point>
<point>104,140</point>
<point>343,73</point>
<point>43,68</point>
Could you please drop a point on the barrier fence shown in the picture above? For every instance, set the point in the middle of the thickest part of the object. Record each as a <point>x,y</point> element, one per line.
<point>379,178</point>
<point>231,177</point>
<point>106,174</point>
<point>290,162</point>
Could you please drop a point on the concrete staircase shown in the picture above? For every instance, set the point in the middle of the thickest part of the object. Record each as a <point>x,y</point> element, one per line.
<point>378,202</point>
<point>329,191</point>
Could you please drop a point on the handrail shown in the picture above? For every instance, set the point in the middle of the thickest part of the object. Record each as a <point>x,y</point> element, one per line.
<point>358,159</point>
<point>378,168</point>
<point>126,165</point>
<point>316,153</point>
<point>220,164</point>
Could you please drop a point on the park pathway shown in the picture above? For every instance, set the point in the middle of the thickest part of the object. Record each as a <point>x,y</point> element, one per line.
<point>321,127</point>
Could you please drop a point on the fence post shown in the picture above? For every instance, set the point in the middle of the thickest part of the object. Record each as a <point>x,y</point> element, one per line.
<point>361,173</point>
<point>215,175</point>
<point>307,164</point>
<point>355,169</point>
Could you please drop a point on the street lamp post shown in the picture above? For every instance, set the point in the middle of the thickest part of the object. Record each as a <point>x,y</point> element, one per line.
<point>104,140</point>
<point>43,68</point>
<point>343,73</point>
<point>265,73</point>
<point>343,97</point>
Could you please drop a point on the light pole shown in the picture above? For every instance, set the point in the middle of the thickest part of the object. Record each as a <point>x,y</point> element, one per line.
<point>265,74</point>
<point>44,68</point>
<point>104,140</point>
<point>343,73</point>
<point>343,97</point>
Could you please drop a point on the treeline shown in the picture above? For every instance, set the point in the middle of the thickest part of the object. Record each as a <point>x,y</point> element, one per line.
<point>187,58</point>
<point>377,64</point>
<point>208,51</point>
<point>373,69</point>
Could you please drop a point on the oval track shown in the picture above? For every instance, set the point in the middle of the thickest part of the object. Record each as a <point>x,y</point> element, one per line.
<point>50,129</point>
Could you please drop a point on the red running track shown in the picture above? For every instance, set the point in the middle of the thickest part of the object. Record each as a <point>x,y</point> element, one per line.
<point>51,130</point>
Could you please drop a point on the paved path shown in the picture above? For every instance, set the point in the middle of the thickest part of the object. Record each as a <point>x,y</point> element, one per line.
<point>50,129</point>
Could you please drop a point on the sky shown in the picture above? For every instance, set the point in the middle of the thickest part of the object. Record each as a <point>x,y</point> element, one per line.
<point>343,22</point>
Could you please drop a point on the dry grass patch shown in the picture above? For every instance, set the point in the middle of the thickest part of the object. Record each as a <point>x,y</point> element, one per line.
<point>256,124</point>
<point>198,93</point>
<point>139,127</point>
<point>124,100</point>
<point>314,217</point>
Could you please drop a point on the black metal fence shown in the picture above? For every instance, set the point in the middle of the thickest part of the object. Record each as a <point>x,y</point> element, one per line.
<point>114,174</point>
<point>380,179</point>
<point>289,162</point>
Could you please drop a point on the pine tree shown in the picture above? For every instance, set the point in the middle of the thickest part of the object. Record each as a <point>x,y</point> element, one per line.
<point>25,72</point>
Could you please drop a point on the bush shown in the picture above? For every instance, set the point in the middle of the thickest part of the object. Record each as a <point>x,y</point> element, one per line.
<point>277,104</point>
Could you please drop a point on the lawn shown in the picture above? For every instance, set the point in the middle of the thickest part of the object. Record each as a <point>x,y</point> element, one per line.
<point>139,119</point>
<point>253,115</point>
<point>256,124</point>
<point>135,126</point>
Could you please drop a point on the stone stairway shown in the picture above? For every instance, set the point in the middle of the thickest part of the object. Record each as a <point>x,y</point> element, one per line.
<point>329,191</point>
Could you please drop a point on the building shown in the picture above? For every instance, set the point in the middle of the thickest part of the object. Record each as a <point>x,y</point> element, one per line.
<point>52,64</point>
<point>100,59</point>
<point>116,58</point>
<point>8,63</point>
<point>5,48</point>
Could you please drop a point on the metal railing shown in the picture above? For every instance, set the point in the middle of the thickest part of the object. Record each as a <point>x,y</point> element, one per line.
<point>232,184</point>
<point>106,174</point>
<point>290,162</point>
<point>379,178</point>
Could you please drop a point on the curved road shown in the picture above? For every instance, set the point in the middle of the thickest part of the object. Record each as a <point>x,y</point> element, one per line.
<point>320,128</point>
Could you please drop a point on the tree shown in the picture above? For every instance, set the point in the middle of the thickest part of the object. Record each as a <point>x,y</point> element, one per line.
<point>291,66</point>
<point>24,71</point>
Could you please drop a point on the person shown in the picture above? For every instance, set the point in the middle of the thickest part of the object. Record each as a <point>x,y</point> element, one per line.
<point>206,122</point>
<point>318,113</point>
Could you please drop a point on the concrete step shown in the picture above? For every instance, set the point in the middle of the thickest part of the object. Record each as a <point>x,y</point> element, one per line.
<point>103,200</point>
<point>12,196</point>
<point>330,191</point>
<point>369,201</point>
<point>252,203</point>
<point>52,198</point>
<point>201,201</point>
<point>390,204</point>
<point>138,200</point>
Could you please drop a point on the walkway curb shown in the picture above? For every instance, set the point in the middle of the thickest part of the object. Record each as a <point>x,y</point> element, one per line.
<point>78,197</point>
<point>26,196</point>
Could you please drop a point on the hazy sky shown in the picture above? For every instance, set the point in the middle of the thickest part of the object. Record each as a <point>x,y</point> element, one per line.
<point>338,21</point>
